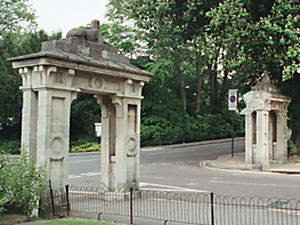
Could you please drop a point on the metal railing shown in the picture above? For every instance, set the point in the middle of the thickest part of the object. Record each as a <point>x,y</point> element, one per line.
<point>55,201</point>
<point>186,208</point>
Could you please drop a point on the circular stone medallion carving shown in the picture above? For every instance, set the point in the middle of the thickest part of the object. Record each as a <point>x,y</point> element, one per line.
<point>132,146</point>
<point>57,145</point>
<point>96,82</point>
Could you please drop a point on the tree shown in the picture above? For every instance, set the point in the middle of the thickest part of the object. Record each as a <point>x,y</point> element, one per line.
<point>11,45</point>
<point>177,49</point>
<point>15,16</point>
<point>84,113</point>
<point>262,36</point>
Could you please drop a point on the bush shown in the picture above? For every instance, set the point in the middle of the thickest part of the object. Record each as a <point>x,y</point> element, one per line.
<point>158,131</point>
<point>10,146</point>
<point>21,183</point>
<point>87,147</point>
<point>292,148</point>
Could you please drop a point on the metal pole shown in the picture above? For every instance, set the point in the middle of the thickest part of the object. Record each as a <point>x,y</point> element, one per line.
<point>131,205</point>
<point>184,131</point>
<point>183,123</point>
<point>212,208</point>
<point>232,137</point>
<point>68,201</point>
<point>52,198</point>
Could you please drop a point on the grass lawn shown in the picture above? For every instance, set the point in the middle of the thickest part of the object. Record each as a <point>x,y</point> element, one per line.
<point>70,221</point>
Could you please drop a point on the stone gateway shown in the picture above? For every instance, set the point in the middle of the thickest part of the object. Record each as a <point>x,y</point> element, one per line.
<point>265,124</point>
<point>82,62</point>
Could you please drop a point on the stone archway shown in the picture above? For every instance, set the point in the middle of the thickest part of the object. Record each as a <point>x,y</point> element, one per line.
<point>265,125</point>
<point>51,80</point>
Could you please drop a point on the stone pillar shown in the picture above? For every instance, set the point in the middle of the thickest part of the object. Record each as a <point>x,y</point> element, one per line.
<point>120,142</point>
<point>248,140</point>
<point>262,149</point>
<point>29,117</point>
<point>46,119</point>
<point>106,164</point>
<point>281,153</point>
<point>53,133</point>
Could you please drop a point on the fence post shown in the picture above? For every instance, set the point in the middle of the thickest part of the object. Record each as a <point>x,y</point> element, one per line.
<point>212,208</point>
<point>68,202</point>
<point>131,205</point>
<point>52,198</point>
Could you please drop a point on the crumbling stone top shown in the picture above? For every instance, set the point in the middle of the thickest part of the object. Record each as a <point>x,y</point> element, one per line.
<point>84,46</point>
<point>266,84</point>
<point>264,96</point>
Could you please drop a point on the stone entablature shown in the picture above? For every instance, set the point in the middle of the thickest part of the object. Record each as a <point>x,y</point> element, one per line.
<point>265,124</point>
<point>51,80</point>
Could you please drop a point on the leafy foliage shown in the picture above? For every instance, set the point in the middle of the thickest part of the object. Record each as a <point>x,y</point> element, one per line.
<point>15,44</point>
<point>84,113</point>
<point>11,146</point>
<point>292,148</point>
<point>15,15</point>
<point>86,147</point>
<point>259,37</point>
<point>21,182</point>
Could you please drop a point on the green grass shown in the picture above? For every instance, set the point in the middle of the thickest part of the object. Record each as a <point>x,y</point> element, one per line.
<point>70,221</point>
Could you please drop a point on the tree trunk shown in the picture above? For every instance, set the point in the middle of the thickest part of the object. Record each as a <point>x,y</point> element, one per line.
<point>200,77</point>
<point>223,90</point>
<point>181,81</point>
<point>213,87</point>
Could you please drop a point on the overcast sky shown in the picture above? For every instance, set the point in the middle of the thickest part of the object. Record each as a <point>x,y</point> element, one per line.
<point>62,15</point>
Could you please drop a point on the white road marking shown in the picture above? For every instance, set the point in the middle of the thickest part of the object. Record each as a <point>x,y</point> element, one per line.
<point>73,176</point>
<point>216,178</point>
<point>90,174</point>
<point>256,184</point>
<point>191,184</point>
<point>162,187</point>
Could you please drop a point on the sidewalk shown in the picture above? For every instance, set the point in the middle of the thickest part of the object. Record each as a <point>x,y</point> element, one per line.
<point>238,163</point>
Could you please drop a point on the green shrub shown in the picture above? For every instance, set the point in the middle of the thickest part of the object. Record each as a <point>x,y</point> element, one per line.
<point>10,146</point>
<point>292,148</point>
<point>87,147</point>
<point>158,131</point>
<point>21,182</point>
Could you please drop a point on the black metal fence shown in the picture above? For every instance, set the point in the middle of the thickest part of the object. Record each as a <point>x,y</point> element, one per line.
<point>55,202</point>
<point>186,208</point>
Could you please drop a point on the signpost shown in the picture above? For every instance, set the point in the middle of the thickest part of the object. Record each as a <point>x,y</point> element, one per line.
<point>98,129</point>
<point>232,106</point>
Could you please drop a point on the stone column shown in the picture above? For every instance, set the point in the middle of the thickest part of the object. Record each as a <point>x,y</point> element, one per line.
<point>29,117</point>
<point>281,153</point>
<point>120,142</point>
<point>248,141</point>
<point>108,113</point>
<point>262,139</point>
<point>47,95</point>
<point>53,133</point>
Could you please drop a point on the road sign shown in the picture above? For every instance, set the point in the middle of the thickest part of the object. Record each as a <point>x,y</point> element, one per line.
<point>98,129</point>
<point>232,99</point>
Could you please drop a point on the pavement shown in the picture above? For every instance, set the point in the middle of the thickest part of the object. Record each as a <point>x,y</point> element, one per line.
<point>225,161</point>
<point>238,163</point>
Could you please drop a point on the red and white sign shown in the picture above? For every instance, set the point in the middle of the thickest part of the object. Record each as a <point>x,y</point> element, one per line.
<point>232,99</point>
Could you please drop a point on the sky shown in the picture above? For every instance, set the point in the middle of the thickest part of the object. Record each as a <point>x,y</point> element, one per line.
<point>63,15</point>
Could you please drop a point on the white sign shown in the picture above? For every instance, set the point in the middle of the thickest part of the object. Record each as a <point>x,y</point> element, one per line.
<point>232,99</point>
<point>98,129</point>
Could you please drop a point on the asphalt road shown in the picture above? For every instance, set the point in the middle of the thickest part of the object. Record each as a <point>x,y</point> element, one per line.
<point>177,169</point>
